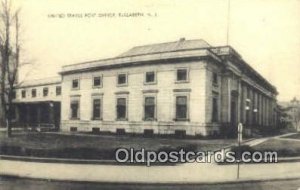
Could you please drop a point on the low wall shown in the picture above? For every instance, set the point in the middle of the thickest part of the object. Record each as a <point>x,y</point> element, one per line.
<point>162,128</point>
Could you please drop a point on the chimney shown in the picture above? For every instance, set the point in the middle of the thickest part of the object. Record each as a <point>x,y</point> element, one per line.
<point>181,39</point>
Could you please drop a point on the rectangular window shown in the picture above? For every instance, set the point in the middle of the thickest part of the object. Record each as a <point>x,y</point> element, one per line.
<point>75,109</point>
<point>150,77</point>
<point>58,90</point>
<point>215,109</point>
<point>97,81</point>
<point>75,84</point>
<point>182,75</point>
<point>45,91</point>
<point>215,79</point>
<point>121,108</point>
<point>181,108</point>
<point>23,93</point>
<point>122,79</point>
<point>33,93</point>
<point>149,108</point>
<point>97,109</point>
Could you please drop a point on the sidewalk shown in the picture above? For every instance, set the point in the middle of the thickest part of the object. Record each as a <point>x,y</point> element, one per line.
<point>183,173</point>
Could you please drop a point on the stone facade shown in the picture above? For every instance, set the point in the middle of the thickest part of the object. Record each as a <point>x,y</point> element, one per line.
<point>221,90</point>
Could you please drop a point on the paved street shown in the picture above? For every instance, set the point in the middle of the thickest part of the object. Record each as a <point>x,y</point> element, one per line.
<point>21,184</point>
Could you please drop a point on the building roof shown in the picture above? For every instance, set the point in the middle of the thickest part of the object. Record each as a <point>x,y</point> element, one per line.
<point>180,45</point>
<point>182,49</point>
<point>39,82</point>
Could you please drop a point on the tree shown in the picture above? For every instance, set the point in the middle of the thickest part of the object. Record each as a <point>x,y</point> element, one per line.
<point>295,113</point>
<point>10,58</point>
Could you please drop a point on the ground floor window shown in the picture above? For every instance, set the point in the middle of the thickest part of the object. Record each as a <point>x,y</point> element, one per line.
<point>97,109</point>
<point>215,109</point>
<point>149,108</point>
<point>121,109</point>
<point>181,108</point>
<point>75,109</point>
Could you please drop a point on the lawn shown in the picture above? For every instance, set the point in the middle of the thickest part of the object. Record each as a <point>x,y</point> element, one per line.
<point>284,148</point>
<point>96,146</point>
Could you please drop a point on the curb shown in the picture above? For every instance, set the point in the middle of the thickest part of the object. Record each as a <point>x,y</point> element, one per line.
<point>237,181</point>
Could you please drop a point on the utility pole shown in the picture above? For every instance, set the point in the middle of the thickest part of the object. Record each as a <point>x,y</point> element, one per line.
<point>228,22</point>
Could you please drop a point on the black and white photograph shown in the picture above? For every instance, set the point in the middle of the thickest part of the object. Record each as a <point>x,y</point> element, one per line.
<point>149,95</point>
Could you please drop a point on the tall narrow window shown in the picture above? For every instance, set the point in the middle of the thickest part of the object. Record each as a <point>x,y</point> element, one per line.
<point>45,91</point>
<point>97,109</point>
<point>215,79</point>
<point>181,108</point>
<point>150,77</point>
<point>75,109</point>
<point>75,84</point>
<point>23,93</point>
<point>182,75</point>
<point>97,81</point>
<point>149,108</point>
<point>33,93</point>
<point>215,109</point>
<point>122,79</point>
<point>58,90</point>
<point>121,108</point>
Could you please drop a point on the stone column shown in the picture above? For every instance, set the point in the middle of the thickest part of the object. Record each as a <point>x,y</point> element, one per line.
<point>225,98</point>
<point>38,115</point>
<point>51,113</point>
<point>260,110</point>
<point>251,107</point>
<point>27,122</point>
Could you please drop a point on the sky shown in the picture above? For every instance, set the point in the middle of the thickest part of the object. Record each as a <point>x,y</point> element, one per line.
<point>265,33</point>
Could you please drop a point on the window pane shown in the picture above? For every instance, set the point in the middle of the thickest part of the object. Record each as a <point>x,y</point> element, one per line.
<point>33,92</point>
<point>215,110</point>
<point>45,92</point>
<point>58,90</point>
<point>150,77</point>
<point>215,78</point>
<point>121,101</point>
<point>97,108</point>
<point>23,93</point>
<point>149,101</point>
<point>121,78</point>
<point>149,108</point>
<point>181,74</point>
<point>75,83</point>
<point>74,109</point>
<point>97,81</point>
<point>121,108</point>
<point>181,100</point>
<point>181,107</point>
